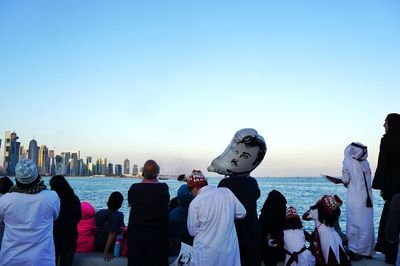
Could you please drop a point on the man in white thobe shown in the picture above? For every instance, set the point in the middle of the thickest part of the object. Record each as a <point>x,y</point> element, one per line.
<point>28,212</point>
<point>360,212</point>
<point>211,222</point>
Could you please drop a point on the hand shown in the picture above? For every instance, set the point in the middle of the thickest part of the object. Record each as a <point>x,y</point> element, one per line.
<point>107,256</point>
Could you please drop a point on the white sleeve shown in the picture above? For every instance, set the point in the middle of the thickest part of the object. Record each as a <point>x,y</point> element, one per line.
<point>346,175</point>
<point>240,211</point>
<point>1,212</point>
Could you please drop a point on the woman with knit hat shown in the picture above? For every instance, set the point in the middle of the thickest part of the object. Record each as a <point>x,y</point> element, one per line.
<point>28,212</point>
<point>387,179</point>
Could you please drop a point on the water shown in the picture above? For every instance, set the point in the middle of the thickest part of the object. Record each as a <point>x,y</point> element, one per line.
<point>300,192</point>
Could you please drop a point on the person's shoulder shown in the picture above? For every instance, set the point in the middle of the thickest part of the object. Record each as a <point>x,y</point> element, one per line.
<point>50,194</point>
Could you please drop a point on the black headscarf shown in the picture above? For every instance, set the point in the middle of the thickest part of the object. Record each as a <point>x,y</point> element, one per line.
<point>272,218</point>
<point>393,121</point>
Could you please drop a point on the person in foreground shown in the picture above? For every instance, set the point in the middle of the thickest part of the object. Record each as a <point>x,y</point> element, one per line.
<point>28,212</point>
<point>211,222</point>
<point>108,225</point>
<point>245,152</point>
<point>148,219</point>
<point>387,180</point>
<point>66,226</point>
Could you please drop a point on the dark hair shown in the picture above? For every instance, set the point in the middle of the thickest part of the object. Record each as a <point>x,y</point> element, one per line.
<point>150,169</point>
<point>253,142</point>
<point>293,223</point>
<point>115,201</point>
<point>5,184</point>
<point>59,184</point>
<point>393,121</point>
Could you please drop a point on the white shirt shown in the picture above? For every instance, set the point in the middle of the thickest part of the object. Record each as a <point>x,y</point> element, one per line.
<point>211,222</point>
<point>28,235</point>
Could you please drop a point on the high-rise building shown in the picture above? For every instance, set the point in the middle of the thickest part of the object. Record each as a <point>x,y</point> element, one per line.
<point>43,164</point>
<point>110,170</point>
<point>88,160</point>
<point>91,169</point>
<point>135,170</point>
<point>101,166</point>
<point>58,165</point>
<point>52,165</point>
<point>33,153</point>
<point>22,152</point>
<point>118,170</point>
<point>11,153</point>
<point>74,167</point>
<point>127,165</point>
<point>7,144</point>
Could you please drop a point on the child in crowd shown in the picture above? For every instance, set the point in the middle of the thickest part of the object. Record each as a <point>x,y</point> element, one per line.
<point>327,245</point>
<point>178,231</point>
<point>294,239</point>
<point>272,222</point>
<point>86,229</point>
<point>108,225</point>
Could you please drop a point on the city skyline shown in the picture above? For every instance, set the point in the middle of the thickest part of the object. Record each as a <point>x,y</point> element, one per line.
<point>62,163</point>
<point>173,81</point>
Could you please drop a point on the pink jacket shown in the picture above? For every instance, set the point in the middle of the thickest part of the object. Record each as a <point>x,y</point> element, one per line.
<point>86,229</point>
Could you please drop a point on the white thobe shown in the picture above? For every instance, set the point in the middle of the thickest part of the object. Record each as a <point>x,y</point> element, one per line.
<point>329,240</point>
<point>211,222</point>
<point>360,225</point>
<point>28,235</point>
<point>294,240</point>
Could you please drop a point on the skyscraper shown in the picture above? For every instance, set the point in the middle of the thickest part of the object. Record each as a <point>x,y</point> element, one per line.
<point>74,167</point>
<point>13,154</point>
<point>58,165</point>
<point>43,160</point>
<point>22,152</point>
<point>135,170</point>
<point>127,165</point>
<point>7,143</point>
<point>110,170</point>
<point>33,153</point>
<point>52,165</point>
<point>118,170</point>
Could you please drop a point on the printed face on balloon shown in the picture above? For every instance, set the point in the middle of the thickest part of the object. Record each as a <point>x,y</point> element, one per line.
<point>242,158</point>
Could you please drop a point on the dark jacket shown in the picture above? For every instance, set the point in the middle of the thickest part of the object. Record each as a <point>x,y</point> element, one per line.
<point>387,175</point>
<point>178,231</point>
<point>148,224</point>
<point>66,226</point>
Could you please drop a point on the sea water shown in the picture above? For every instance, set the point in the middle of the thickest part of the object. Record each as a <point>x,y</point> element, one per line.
<point>300,192</point>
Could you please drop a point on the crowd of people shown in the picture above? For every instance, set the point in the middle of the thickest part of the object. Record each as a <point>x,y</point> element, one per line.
<point>41,226</point>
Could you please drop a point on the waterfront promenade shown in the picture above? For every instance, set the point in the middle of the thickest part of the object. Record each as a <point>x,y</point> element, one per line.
<point>96,259</point>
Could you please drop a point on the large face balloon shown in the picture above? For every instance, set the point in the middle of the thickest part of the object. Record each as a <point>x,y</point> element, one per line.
<point>245,152</point>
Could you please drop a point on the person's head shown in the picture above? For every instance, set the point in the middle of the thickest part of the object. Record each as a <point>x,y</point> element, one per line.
<point>392,123</point>
<point>26,173</point>
<point>150,169</point>
<point>328,209</point>
<point>88,210</point>
<point>245,152</point>
<point>184,196</point>
<point>196,181</point>
<point>115,201</point>
<point>60,185</point>
<point>292,219</point>
<point>5,184</point>
<point>356,151</point>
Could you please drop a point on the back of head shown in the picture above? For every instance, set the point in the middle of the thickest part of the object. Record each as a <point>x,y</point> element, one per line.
<point>328,209</point>
<point>357,151</point>
<point>196,180</point>
<point>59,184</point>
<point>5,184</point>
<point>26,173</point>
<point>184,196</point>
<point>88,210</point>
<point>115,201</point>
<point>292,219</point>
<point>393,121</point>
<point>150,169</point>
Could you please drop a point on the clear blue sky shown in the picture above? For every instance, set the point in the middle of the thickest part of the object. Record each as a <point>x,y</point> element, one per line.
<point>174,80</point>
